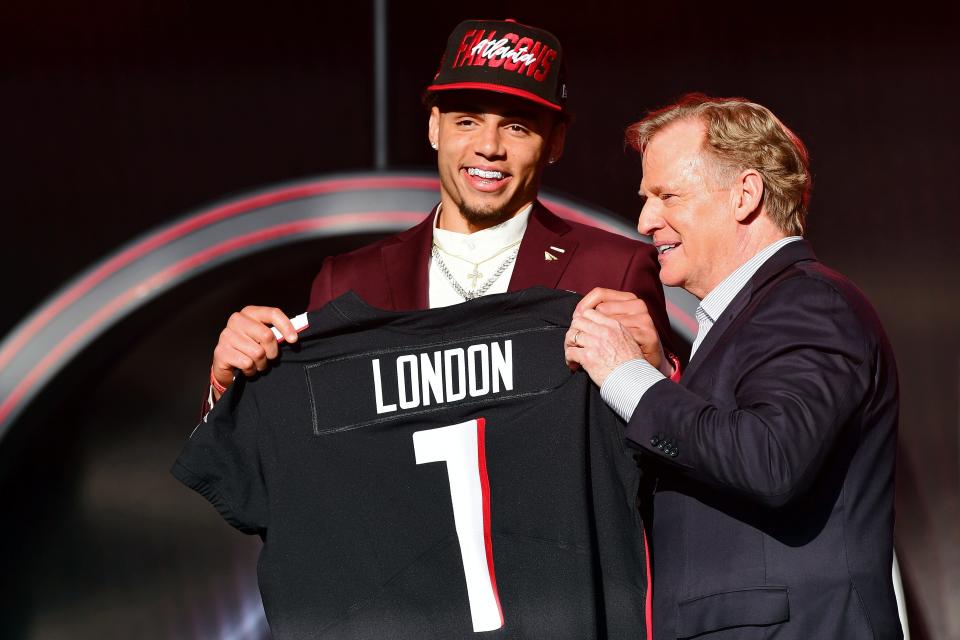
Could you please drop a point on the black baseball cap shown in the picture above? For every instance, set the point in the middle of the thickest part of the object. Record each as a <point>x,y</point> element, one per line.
<point>506,57</point>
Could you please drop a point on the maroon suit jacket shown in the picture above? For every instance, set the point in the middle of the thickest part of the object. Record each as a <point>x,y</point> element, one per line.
<point>393,273</point>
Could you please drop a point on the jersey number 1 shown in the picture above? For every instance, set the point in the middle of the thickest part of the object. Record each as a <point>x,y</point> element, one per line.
<point>461,446</point>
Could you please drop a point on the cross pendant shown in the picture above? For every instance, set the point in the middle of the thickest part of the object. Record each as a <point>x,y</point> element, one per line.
<point>476,275</point>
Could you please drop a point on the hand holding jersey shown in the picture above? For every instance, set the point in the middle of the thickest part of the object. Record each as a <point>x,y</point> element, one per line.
<point>247,343</point>
<point>624,320</point>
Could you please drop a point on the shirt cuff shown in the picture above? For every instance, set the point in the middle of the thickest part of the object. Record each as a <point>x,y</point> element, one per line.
<point>626,384</point>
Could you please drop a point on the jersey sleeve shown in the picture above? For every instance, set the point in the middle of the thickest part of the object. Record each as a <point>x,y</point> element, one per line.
<point>222,460</point>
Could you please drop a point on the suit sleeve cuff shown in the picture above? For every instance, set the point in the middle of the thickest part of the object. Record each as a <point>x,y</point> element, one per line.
<point>626,384</point>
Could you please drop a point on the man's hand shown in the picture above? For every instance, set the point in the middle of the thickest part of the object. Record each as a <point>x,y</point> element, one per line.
<point>247,343</point>
<point>599,344</point>
<point>632,314</point>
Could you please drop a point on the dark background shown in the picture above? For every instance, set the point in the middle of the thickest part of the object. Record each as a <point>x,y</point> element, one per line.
<point>121,116</point>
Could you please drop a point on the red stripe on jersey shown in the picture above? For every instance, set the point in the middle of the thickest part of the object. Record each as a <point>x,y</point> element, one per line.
<point>648,604</point>
<point>485,491</point>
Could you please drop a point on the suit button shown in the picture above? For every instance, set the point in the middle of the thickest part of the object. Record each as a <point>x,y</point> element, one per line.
<point>674,452</point>
<point>655,441</point>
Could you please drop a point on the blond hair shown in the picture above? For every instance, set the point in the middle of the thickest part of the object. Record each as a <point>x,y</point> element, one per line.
<point>743,135</point>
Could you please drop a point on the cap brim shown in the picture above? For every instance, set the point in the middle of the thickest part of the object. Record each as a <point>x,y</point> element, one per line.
<point>496,88</point>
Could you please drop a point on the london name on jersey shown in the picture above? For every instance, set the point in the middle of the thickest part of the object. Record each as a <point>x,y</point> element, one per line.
<point>445,376</point>
<point>397,382</point>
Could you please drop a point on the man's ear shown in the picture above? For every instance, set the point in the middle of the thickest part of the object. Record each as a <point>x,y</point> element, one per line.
<point>433,127</point>
<point>557,138</point>
<point>748,193</point>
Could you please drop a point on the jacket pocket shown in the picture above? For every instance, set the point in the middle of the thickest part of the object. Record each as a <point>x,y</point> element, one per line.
<point>757,606</point>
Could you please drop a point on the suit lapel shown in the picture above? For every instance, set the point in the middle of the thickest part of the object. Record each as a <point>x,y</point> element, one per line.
<point>716,332</point>
<point>406,264</point>
<point>544,253</point>
<point>787,256</point>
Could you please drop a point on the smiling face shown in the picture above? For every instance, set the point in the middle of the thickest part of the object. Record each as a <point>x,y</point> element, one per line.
<point>491,150</point>
<point>693,221</point>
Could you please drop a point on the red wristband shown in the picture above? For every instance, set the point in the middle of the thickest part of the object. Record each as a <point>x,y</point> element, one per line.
<point>219,388</point>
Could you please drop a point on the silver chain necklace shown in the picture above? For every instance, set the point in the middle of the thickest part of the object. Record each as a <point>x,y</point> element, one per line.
<point>476,293</point>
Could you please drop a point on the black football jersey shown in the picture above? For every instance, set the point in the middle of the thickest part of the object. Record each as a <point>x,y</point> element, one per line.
<point>430,474</point>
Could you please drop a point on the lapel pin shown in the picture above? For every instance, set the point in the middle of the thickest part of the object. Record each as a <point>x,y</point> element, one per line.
<point>549,256</point>
<point>558,249</point>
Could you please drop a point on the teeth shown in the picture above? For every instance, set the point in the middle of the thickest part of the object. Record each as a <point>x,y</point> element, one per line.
<point>665,247</point>
<point>488,175</point>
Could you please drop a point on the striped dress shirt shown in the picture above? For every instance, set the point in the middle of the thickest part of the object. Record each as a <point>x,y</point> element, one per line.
<point>626,384</point>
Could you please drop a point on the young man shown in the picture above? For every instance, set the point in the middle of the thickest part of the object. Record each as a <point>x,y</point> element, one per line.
<point>497,118</point>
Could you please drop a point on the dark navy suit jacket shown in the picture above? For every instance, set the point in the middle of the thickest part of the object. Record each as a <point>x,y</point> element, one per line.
<point>774,458</point>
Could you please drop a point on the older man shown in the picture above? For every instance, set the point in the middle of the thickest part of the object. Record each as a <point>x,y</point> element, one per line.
<point>774,456</point>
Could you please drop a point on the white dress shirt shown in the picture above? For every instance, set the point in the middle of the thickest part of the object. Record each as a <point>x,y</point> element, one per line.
<point>469,253</point>
<point>626,384</point>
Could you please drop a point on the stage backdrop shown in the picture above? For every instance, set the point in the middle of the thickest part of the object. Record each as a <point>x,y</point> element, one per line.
<point>120,116</point>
